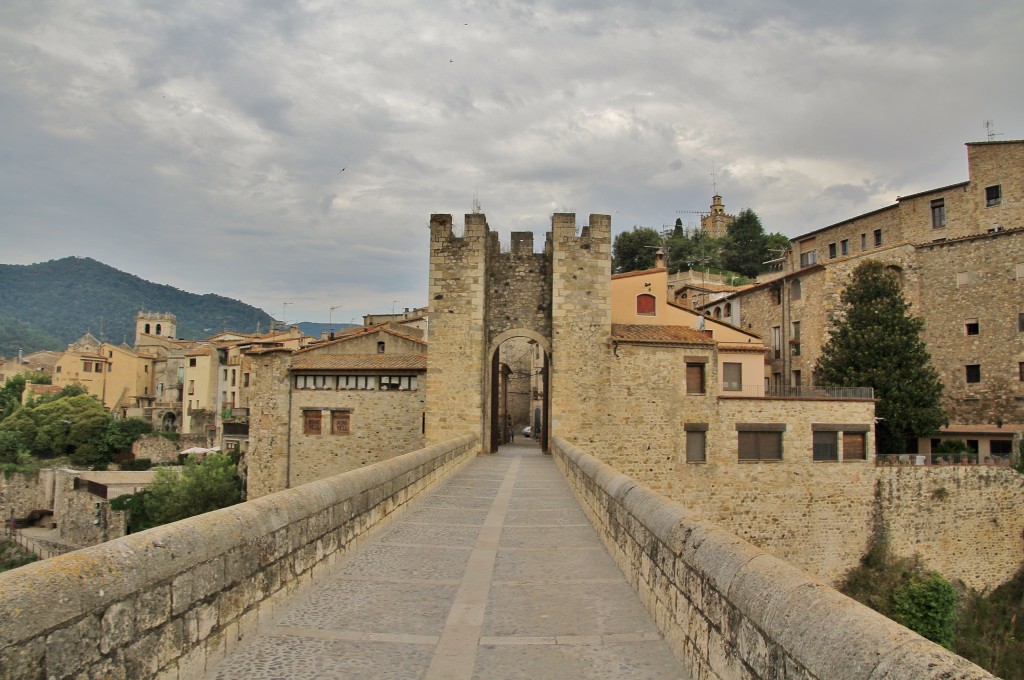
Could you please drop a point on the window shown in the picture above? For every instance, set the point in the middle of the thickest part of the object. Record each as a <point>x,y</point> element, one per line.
<point>696,442</point>
<point>795,290</point>
<point>357,382</point>
<point>971,326</point>
<point>732,376</point>
<point>832,250</point>
<point>938,213</point>
<point>777,340</point>
<point>728,310</point>
<point>694,377</point>
<point>855,446</point>
<point>796,378</point>
<point>245,380</point>
<point>159,389</point>
<point>380,347</point>
<point>311,422</point>
<point>99,367</point>
<point>191,386</point>
<point>1000,447</point>
<point>398,382</point>
<point>808,258</point>
<point>826,446</point>
<point>233,376</point>
<point>145,329</point>
<point>993,195</point>
<point>795,341</point>
<point>145,368</point>
<point>973,373</point>
<point>645,304</point>
<point>1020,270</point>
<point>863,241</point>
<point>341,422</point>
<point>760,441</point>
<point>878,237</point>
<point>110,367</point>
<point>314,382</point>
<point>1020,370</point>
<point>158,329</point>
<point>1020,322</point>
<point>87,367</point>
<point>844,247</point>
<point>718,312</point>
<point>59,369</point>
<point>192,362</point>
<point>225,378</point>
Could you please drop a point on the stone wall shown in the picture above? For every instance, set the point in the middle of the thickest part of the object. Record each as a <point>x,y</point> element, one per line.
<point>964,522</point>
<point>266,462</point>
<point>990,292</point>
<point>21,494</point>
<point>163,450</point>
<point>728,609</point>
<point>457,307</point>
<point>581,326</point>
<point>383,423</point>
<point>172,601</point>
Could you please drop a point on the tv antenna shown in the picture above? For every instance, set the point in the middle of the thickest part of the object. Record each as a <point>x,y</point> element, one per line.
<point>476,204</point>
<point>989,133</point>
<point>714,179</point>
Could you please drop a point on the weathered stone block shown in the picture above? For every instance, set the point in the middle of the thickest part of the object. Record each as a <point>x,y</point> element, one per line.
<point>118,625</point>
<point>73,648</point>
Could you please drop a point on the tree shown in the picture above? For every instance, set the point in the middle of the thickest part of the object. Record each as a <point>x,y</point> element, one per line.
<point>634,250</point>
<point>746,247</point>
<point>201,487</point>
<point>71,425</point>
<point>14,388</point>
<point>120,434</point>
<point>927,605</point>
<point>874,341</point>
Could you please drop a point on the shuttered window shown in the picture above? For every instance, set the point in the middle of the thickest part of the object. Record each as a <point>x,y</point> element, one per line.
<point>732,376</point>
<point>695,378</point>
<point>341,422</point>
<point>645,304</point>
<point>754,445</point>
<point>311,422</point>
<point>825,446</point>
<point>854,446</point>
<point>696,442</point>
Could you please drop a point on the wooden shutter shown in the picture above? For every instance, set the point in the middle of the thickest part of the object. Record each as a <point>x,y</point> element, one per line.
<point>695,378</point>
<point>695,446</point>
<point>854,446</point>
<point>645,304</point>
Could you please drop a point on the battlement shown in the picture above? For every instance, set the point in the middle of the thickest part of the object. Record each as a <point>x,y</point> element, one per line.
<point>156,316</point>
<point>563,227</point>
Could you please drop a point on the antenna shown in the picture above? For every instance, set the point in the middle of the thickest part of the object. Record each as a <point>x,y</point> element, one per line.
<point>714,179</point>
<point>988,131</point>
<point>476,204</point>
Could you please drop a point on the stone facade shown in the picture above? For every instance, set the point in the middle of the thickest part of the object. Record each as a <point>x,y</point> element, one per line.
<point>959,253</point>
<point>332,407</point>
<point>20,494</point>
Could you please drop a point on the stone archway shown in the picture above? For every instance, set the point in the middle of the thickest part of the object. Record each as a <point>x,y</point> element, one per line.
<point>535,382</point>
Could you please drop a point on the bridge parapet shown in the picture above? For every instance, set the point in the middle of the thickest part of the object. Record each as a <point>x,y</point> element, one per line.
<point>731,610</point>
<point>170,601</point>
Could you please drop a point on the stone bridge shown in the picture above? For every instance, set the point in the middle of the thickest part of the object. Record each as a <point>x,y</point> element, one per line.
<point>443,563</point>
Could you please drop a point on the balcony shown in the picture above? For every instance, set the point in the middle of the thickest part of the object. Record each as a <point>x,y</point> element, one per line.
<point>797,392</point>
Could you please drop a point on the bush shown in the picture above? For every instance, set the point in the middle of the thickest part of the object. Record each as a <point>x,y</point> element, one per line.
<point>137,464</point>
<point>926,604</point>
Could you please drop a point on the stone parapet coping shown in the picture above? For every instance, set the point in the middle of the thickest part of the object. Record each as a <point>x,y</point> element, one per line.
<point>173,600</point>
<point>730,610</point>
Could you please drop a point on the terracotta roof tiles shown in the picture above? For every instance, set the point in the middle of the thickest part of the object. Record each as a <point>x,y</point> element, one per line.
<point>675,335</point>
<point>366,362</point>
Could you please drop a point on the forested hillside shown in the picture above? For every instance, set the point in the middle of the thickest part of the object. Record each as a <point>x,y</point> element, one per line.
<point>51,304</point>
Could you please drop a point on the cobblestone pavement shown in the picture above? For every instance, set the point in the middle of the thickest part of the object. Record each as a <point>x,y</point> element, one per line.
<point>496,573</point>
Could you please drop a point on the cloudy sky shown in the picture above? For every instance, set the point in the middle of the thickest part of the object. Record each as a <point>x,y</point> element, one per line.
<point>292,151</point>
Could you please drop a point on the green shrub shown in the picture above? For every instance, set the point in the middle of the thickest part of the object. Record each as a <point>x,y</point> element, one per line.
<point>926,604</point>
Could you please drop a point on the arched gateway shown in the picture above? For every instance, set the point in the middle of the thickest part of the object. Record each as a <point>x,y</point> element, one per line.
<point>556,302</point>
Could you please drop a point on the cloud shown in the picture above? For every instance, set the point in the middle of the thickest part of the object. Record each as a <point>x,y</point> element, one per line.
<point>201,144</point>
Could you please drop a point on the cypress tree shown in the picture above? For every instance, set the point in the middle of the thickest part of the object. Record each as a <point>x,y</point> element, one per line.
<point>874,341</point>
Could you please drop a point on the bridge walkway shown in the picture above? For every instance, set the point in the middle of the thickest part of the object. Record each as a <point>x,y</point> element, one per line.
<point>496,573</point>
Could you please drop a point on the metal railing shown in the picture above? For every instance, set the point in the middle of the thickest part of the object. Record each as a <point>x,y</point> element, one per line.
<point>795,392</point>
<point>939,459</point>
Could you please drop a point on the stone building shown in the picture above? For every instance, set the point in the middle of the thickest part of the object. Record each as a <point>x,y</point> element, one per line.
<point>959,253</point>
<point>716,223</point>
<point>117,375</point>
<point>333,406</point>
<point>36,362</point>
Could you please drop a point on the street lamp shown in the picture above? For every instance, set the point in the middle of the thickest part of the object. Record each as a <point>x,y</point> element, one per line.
<point>330,316</point>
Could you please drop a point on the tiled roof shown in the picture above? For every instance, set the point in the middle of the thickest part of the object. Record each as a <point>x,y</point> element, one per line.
<point>366,362</point>
<point>713,287</point>
<point>676,335</point>
<point>359,333</point>
<point>639,272</point>
<point>199,351</point>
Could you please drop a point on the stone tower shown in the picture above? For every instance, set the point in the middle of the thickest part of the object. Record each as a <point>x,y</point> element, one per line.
<point>162,324</point>
<point>481,296</point>
<point>716,224</point>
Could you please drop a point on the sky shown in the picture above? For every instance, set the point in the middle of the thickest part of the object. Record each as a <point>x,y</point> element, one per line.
<point>289,153</point>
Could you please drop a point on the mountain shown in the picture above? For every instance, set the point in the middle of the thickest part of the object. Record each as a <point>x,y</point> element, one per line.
<point>51,304</point>
<point>315,328</point>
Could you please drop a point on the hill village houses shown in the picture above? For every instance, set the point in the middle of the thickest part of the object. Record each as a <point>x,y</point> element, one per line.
<point>302,408</point>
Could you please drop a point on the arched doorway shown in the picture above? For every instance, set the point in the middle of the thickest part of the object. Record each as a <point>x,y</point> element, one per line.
<point>169,422</point>
<point>519,394</point>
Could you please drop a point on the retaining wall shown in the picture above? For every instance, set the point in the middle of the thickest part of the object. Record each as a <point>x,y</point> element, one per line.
<point>172,601</point>
<point>731,610</point>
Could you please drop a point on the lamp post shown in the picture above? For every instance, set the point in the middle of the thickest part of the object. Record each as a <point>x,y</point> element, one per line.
<point>330,316</point>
